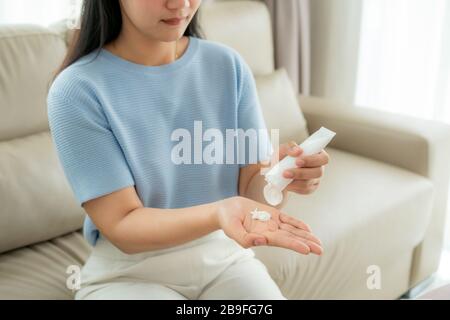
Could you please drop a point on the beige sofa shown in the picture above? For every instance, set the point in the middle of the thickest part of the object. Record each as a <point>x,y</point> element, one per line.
<point>381,204</point>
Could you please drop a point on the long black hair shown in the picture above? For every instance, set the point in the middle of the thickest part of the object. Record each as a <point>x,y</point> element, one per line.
<point>101,23</point>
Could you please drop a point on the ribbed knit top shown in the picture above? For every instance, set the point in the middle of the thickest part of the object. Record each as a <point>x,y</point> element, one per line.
<point>116,124</point>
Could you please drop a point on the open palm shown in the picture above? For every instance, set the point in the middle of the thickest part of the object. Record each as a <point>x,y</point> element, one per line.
<point>285,231</point>
<point>281,230</point>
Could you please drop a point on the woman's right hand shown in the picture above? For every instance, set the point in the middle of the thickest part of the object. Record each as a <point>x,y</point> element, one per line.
<point>281,230</point>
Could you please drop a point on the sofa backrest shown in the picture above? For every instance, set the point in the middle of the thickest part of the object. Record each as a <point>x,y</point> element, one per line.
<point>29,55</point>
<point>36,203</point>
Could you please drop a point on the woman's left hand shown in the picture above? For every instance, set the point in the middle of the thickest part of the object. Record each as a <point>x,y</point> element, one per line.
<point>309,170</point>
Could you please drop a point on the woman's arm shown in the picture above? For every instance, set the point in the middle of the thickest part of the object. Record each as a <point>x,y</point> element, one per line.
<point>122,219</point>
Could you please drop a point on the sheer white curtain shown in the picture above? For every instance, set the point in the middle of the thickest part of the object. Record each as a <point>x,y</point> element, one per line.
<point>42,12</point>
<point>404,58</point>
<point>404,65</point>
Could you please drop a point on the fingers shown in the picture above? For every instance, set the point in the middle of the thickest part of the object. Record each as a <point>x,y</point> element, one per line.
<point>300,233</point>
<point>304,173</point>
<point>289,149</point>
<point>287,240</point>
<point>282,239</point>
<point>304,186</point>
<point>245,239</point>
<point>312,167</point>
<point>312,161</point>
<point>294,222</point>
<point>314,243</point>
<point>316,160</point>
<point>313,246</point>
<point>293,149</point>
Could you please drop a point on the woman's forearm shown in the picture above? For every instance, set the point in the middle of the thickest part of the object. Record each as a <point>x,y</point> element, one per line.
<point>146,229</point>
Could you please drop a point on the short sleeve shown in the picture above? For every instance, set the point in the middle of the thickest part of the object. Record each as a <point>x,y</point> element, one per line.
<point>88,151</point>
<point>250,116</point>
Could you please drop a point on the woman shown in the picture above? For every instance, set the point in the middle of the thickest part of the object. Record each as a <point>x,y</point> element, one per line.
<point>137,73</point>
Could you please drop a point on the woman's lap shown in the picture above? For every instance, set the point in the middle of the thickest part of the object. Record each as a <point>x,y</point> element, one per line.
<point>216,269</point>
<point>130,290</point>
<point>247,279</point>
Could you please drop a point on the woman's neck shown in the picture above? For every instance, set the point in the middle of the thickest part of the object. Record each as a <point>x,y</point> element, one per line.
<point>137,48</point>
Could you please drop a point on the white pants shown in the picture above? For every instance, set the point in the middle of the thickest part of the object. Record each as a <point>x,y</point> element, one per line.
<point>212,267</point>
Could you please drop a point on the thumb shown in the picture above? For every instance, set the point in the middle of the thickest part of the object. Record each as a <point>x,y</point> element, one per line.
<point>254,239</point>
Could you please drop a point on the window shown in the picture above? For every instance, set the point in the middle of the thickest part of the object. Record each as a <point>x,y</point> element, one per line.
<point>404,60</point>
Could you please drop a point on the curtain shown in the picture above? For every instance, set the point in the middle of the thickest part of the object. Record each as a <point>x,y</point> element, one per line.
<point>291,30</point>
<point>404,59</point>
<point>335,27</point>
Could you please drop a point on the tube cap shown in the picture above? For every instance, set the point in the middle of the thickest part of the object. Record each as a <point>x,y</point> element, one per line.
<point>272,194</point>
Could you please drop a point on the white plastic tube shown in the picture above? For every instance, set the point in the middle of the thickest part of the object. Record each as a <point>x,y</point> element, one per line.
<point>274,177</point>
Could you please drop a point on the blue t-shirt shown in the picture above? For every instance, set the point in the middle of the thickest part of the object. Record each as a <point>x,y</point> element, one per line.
<point>117,124</point>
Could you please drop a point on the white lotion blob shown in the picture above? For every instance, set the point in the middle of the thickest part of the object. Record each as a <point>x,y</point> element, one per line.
<point>260,215</point>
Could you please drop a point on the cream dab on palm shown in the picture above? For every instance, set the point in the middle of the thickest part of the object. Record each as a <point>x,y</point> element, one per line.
<point>260,215</point>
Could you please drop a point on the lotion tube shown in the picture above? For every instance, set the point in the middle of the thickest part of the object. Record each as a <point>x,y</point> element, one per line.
<point>274,177</point>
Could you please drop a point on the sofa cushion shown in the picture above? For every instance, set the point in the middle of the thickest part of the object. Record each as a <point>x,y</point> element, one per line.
<point>37,203</point>
<point>29,57</point>
<point>367,213</point>
<point>41,271</point>
<point>280,106</point>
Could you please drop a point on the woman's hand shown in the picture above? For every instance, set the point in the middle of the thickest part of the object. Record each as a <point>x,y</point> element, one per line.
<point>281,230</point>
<point>309,168</point>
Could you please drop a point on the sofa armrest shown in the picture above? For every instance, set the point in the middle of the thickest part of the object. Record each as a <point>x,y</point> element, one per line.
<point>420,146</point>
<point>399,140</point>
